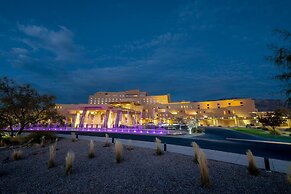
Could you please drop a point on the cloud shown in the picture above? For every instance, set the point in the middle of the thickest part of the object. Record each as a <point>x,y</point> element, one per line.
<point>58,42</point>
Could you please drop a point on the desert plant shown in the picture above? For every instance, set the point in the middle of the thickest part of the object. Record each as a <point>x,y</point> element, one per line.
<point>196,150</point>
<point>106,142</point>
<point>73,136</point>
<point>42,141</point>
<point>158,147</point>
<point>91,149</point>
<point>203,168</point>
<point>38,136</point>
<point>17,154</point>
<point>252,168</point>
<point>17,140</point>
<point>69,162</point>
<point>130,147</point>
<point>52,155</point>
<point>118,151</point>
<point>289,175</point>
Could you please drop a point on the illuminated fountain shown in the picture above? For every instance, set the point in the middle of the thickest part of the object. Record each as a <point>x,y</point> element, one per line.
<point>108,122</point>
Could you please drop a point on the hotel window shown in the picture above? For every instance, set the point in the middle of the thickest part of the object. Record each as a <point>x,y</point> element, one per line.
<point>207,104</point>
<point>207,107</point>
<point>229,103</point>
<point>198,107</point>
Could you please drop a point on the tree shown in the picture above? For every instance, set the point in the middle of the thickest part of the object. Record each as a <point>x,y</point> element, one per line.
<point>282,58</point>
<point>21,105</point>
<point>274,119</point>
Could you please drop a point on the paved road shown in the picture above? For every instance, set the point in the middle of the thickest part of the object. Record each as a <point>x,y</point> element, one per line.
<point>222,134</point>
<point>215,139</point>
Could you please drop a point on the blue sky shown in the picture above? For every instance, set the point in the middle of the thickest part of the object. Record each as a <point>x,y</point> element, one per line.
<point>194,50</point>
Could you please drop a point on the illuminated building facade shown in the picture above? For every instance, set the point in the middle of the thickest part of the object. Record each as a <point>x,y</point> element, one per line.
<point>127,96</point>
<point>135,108</point>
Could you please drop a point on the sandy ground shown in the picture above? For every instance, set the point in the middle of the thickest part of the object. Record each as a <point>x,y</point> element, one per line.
<point>140,172</point>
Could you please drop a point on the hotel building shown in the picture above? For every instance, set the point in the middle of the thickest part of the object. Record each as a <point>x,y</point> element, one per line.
<point>134,107</point>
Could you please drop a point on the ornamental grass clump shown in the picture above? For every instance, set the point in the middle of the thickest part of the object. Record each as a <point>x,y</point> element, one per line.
<point>196,150</point>
<point>69,162</point>
<point>74,138</point>
<point>42,141</point>
<point>203,168</point>
<point>252,168</point>
<point>130,147</point>
<point>158,147</point>
<point>17,154</point>
<point>52,155</point>
<point>91,150</point>
<point>118,151</point>
<point>106,142</point>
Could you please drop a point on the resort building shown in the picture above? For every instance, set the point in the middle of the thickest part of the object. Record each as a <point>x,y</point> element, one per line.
<point>127,96</point>
<point>136,108</point>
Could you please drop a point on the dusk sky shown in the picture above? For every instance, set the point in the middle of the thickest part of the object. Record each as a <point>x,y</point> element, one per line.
<point>194,50</point>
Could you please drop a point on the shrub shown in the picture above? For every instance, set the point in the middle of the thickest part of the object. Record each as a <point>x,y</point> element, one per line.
<point>52,155</point>
<point>196,150</point>
<point>118,151</point>
<point>265,129</point>
<point>91,149</point>
<point>69,162</point>
<point>289,175</point>
<point>198,130</point>
<point>130,147</point>
<point>73,136</point>
<point>275,132</point>
<point>38,136</point>
<point>158,147</point>
<point>17,140</point>
<point>106,142</point>
<point>252,168</point>
<point>17,154</point>
<point>203,168</point>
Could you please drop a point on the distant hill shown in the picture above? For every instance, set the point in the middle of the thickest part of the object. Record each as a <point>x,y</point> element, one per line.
<point>268,104</point>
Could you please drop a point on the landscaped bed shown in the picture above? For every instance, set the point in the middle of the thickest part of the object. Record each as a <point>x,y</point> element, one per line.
<point>265,134</point>
<point>141,171</point>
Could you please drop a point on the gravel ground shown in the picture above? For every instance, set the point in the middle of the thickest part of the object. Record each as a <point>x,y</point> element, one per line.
<point>140,172</point>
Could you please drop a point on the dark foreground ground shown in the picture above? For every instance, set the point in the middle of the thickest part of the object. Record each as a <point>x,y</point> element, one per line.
<point>140,172</point>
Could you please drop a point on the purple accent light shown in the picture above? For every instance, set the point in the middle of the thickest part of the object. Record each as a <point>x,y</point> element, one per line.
<point>106,130</point>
